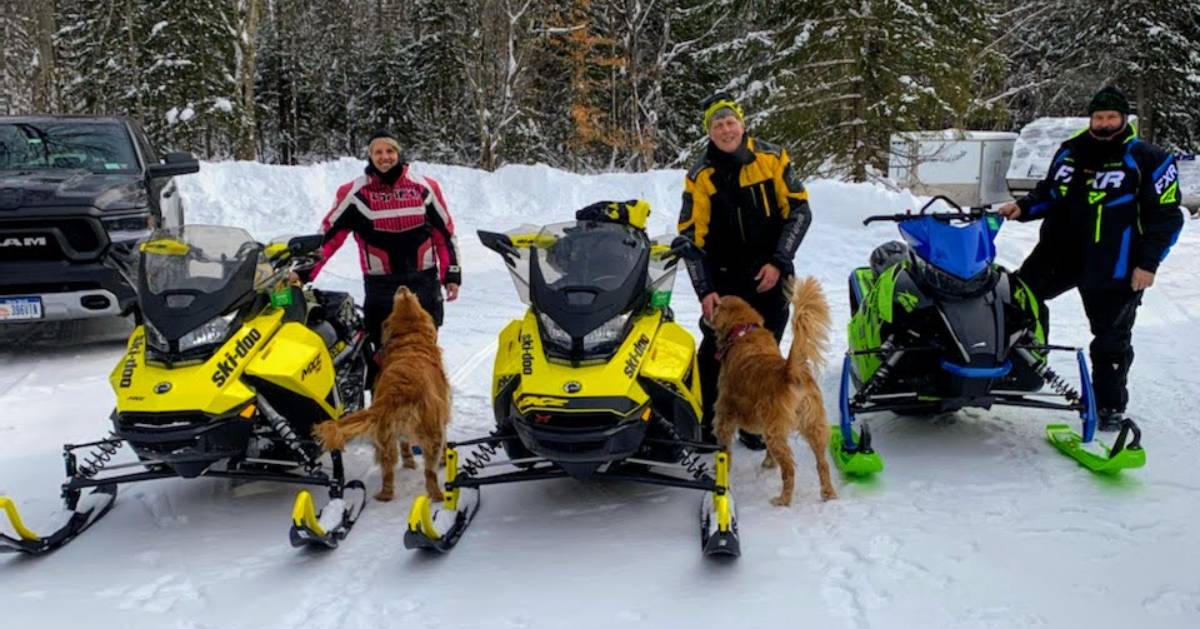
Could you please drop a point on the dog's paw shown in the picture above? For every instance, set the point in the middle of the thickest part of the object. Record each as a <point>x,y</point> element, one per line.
<point>437,496</point>
<point>410,464</point>
<point>769,462</point>
<point>782,501</point>
<point>828,494</point>
<point>384,495</point>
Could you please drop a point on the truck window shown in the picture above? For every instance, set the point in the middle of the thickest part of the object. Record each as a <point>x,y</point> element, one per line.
<point>101,147</point>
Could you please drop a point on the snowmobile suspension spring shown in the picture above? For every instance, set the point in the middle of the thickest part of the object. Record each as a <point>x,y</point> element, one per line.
<point>99,456</point>
<point>1055,381</point>
<point>283,428</point>
<point>478,458</point>
<point>1059,384</point>
<point>692,462</point>
<point>882,373</point>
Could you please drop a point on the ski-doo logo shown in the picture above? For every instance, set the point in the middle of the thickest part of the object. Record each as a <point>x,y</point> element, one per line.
<point>635,357</point>
<point>24,241</point>
<point>130,364</point>
<point>226,367</point>
<point>1167,179</point>
<point>1108,179</point>
<point>311,368</point>
<point>526,354</point>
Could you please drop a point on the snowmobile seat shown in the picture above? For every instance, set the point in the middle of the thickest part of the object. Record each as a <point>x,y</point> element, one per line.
<point>887,254</point>
<point>325,316</point>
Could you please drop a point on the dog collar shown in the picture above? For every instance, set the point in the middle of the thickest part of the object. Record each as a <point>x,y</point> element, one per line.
<point>736,333</point>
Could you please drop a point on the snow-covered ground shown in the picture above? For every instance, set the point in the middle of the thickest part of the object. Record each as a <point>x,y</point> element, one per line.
<point>977,521</point>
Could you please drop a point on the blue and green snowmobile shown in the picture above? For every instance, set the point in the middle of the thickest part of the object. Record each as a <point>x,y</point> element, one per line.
<point>937,326</point>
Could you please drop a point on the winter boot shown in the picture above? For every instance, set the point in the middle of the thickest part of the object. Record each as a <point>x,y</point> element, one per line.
<point>1109,420</point>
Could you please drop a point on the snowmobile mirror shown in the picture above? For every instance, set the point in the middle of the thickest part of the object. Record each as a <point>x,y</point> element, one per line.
<point>947,200</point>
<point>500,243</point>
<point>683,247</point>
<point>305,245</point>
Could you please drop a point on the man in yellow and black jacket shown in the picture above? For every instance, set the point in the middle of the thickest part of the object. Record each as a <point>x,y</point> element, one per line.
<point>746,209</point>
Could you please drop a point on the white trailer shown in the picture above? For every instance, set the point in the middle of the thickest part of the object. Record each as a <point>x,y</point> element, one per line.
<point>966,166</point>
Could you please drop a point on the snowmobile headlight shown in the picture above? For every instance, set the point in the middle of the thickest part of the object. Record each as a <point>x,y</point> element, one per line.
<point>609,333</point>
<point>553,333</point>
<point>155,340</point>
<point>216,330</point>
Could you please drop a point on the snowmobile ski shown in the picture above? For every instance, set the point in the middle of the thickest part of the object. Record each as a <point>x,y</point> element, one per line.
<point>857,459</point>
<point>1100,458</point>
<point>1084,448</point>
<point>853,457</point>
<point>718,516</point>
<point>440,529</point>
<point>329,526</point>
<point>89,507</point>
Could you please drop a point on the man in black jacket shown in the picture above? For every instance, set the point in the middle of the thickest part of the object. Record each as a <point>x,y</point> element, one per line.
<point>1110,213</point>
<point>746,209</point>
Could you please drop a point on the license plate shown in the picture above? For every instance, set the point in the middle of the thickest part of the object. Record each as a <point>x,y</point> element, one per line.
<point>19,308</point>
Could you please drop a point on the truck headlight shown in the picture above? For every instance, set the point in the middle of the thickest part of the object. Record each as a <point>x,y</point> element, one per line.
<point>129,227</point>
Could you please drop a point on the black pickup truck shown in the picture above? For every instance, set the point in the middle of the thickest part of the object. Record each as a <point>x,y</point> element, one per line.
<point>70,186</point>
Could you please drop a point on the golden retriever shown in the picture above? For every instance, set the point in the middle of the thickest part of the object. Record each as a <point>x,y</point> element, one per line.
<point>762,392</point>
<point>411,403</point>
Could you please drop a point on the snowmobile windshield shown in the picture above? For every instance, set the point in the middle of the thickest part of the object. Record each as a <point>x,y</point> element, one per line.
<point>963,249</point>
<point>598,257</point>
<point>99,147</point>
<point>586,277</point>
<point>192,274</point>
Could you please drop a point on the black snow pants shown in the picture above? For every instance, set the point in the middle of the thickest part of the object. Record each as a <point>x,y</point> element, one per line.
<point>379,292</point>
<point>1051,270</point>
<point>774,308</point>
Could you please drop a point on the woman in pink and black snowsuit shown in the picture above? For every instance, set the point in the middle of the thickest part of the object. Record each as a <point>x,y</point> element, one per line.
<point>404,232</point>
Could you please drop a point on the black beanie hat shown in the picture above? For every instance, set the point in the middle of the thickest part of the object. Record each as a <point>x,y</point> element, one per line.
<point>1109,99</point>
<point>382,133</point>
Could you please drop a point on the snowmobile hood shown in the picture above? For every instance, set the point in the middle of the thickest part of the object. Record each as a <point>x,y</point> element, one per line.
<point>72,188</point>
<point>962,250</point>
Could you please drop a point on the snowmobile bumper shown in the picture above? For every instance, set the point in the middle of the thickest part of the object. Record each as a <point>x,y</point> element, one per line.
<point>89,507</point>
<point>190,450</point>
<point>581,452</point>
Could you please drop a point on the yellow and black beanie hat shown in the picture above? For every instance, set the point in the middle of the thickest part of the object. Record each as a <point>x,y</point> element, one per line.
<point>720,105</point>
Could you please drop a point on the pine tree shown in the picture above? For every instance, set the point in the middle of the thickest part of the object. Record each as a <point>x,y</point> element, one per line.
<point>15,54</point>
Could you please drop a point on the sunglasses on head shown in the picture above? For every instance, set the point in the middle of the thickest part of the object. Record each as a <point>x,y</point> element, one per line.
<point>719,96</point>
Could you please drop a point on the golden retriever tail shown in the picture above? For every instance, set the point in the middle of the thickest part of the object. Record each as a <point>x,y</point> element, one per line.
<point>810,325</point>
<point>333,434</point>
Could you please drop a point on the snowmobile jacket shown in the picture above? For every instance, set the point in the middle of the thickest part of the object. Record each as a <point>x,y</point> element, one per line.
<point>402,225</point>
<point>1116,201</point>
<point>743,210</point>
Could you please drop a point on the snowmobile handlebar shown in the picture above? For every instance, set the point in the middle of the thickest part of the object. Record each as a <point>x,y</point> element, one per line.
<point>967,214</point>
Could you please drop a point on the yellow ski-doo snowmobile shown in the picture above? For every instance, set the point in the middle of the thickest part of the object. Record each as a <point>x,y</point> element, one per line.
<point>225,375</point>
<point>597,381</point>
